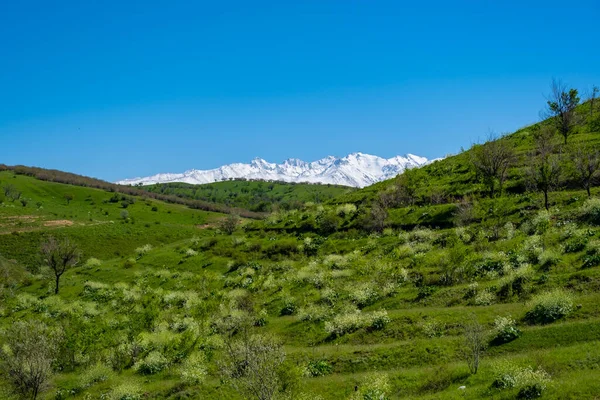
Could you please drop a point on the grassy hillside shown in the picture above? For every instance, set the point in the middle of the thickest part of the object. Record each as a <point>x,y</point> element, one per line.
<point>320,302</point>
<point>253,195</point>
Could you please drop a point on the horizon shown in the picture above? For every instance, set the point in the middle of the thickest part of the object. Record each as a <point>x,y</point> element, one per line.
<point>119,91</point>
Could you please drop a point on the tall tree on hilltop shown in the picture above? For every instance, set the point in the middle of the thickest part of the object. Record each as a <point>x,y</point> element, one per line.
<point>561,108</point>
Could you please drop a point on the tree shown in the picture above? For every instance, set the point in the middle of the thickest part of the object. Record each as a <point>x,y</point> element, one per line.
<point>59,256</point>
<point>593,94</point>
<point>474,344</point>
<point>11,192</point>
<point>229,224</point>
<point>545,169</point>
<point>69,197</point>
<point>253,364</point>
<point>491,161</point>
<point>585,160</point>
<point>27,356</point>
<point>561,108</point>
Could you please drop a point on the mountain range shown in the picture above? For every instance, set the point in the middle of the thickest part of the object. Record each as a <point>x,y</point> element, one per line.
<point>356,169</point>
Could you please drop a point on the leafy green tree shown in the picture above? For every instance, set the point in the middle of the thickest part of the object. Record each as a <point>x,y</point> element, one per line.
<point>561,108</point>
<point>254,366</point>
<point>27,356</point>
<point>69,197</point>
<point>229,224</point>
<point>59,256</point>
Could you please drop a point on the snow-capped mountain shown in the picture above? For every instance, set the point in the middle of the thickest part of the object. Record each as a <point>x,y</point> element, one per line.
<point>356,169</point>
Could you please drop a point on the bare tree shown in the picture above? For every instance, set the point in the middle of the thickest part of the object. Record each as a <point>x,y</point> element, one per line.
<point>59,256</point>
<point>561,108</point>
<point>586,163</point>
<point>475,339</point>
<point>491,161</point>
<point>545,169</point>
<point>27,357</point>
<point>253,366</point>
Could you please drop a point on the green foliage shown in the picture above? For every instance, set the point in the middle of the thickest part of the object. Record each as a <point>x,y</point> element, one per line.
<point>318,368</point>
<point>549,306</point>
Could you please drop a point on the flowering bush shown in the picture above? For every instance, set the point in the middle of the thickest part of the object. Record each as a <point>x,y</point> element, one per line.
<point>354,320</point>
<point>92,263</point>
<point>505,330</point>
<point>153,363</point>
<point>142,251</point>
<point>126,391</point>
<point>375,386</point>
<point>550,306</point>
<point>590,211</point>
<point>531,382</point>
<point>485,298</point>
<point>95,374</point>
<point>193,369</point>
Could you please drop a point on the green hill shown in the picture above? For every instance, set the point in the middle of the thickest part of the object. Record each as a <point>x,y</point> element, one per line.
<point>253,195</point>
<point>381,293</point>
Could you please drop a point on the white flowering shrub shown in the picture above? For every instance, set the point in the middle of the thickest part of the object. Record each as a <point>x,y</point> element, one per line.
<point>590,211</point>
<point>344,210</point>
<point>191,253</point>
<point>143,250</point>
<point>485,298</point>
<point>95,374</point>
<point>540,222</point>
<point>422,235</point>
<point>531,382</point>
<point>314,312</point>
<point>126,391</point>
<point>153,363</point>
<point>353,320</point>
<point>505,330</point>
<point>92,263</point>
<point>363,294</point>
<point>193,369</point>
<point>433,328</point>
<point>374,386</point>
<point>549,306</point>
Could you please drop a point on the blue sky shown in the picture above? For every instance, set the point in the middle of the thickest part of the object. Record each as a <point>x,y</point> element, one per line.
<point>117,89</point>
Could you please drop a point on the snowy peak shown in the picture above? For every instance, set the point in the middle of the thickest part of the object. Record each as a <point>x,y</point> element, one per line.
<point>356,169</point>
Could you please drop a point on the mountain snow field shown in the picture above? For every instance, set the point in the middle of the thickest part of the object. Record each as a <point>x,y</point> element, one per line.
<point>356,169</point>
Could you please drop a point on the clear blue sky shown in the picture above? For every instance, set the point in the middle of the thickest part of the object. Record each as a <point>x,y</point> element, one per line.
<point>117,89</point>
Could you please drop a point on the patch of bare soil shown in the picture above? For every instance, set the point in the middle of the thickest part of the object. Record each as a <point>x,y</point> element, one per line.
<point>58,222</point>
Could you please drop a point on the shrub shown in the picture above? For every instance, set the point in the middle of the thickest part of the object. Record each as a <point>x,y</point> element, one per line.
<point>531,382</point>
<point>142,251</point>
<point>124,214</point>
<point>590,211</point>
<point>575,244</point>
<point>130,262</point>
<point>540,222</point>
<point>364,294</point>
<point>550,306</point>
<point>126,391</point>
<point>153,363</point>
<point>92,263</point>
<point>289,306</point>
<point>375,386</point>
<point>505,330</point>
<point>193,369</point>
<point>433,329</point>
<point>485,298</point>
<point>95,374</point>
<point>318,368</point>
<point>548,259</point>
<point>379,319</point>
<point>347,322</point>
